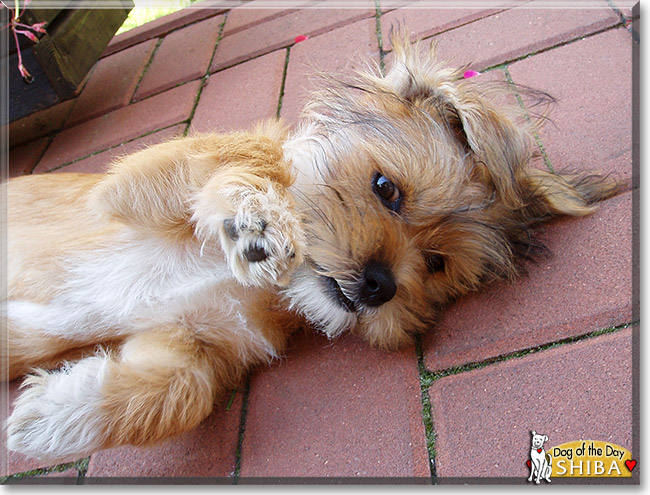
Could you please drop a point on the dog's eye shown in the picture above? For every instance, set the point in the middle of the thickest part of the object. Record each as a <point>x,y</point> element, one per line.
<point>435,262</point>
<point>388,192</point>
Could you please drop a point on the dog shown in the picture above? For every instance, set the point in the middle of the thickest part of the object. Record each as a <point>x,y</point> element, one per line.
<point>540,461</point>
<point>137,297</point>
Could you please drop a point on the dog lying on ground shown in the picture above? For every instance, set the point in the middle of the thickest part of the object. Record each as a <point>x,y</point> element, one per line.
<point>141,295</point>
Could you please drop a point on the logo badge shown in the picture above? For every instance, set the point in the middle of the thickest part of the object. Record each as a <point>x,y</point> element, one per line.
<point>578,459</point>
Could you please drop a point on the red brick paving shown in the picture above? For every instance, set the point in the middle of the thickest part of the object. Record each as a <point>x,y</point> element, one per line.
<point>183,55</point>
<point>340,409</point>
<point>333,410</point>
<point>329,53</point>
<point>529,30</point>
<point>160,27</point>
<point>23,158</point>
<point>234,99</point>
<point>112,83</point>
<point>40,123</point>
<point>280,32</point>
<point>601,85</point>
<point>424,22</point>
<point>573,392</point>
<point>100,162</point>
<point>250,14</point>
<point>209,450</point>
<point>159,111</point>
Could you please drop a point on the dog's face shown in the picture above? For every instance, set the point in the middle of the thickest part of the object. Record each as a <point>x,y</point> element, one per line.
<point>538,440</point>
<point>413,190</point>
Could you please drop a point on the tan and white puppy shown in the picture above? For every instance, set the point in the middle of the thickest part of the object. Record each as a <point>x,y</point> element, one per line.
<point>143,294</point>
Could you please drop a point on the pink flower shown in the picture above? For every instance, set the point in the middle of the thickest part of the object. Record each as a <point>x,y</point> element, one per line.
<point>28,34</point>
<point>24,72</point>
<point>39,27</point>
<point>471,73</point>
<point>300,38</point>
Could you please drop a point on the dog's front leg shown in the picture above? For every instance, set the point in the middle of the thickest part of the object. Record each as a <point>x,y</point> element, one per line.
<point>159,384</point>
<point>256,222</point>
<point>538,471</point>
<point>532,471</point>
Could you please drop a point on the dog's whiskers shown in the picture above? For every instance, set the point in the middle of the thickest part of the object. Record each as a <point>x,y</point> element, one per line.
<point>316,209</point>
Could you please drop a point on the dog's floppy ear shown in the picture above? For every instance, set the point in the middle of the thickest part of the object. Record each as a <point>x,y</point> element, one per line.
<point>496,144</point>
<point>496,138</point>
<point>545,438</point>
<point>533,432</point>
<point>550,194</point>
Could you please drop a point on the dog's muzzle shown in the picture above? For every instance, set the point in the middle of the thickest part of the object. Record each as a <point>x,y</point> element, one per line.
<point>377,287</point>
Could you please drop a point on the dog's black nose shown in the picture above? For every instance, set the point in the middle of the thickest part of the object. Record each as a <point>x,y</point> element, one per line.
<point>377,286</point>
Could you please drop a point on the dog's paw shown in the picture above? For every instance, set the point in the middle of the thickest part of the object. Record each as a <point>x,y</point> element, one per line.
<point>264,241</point>
<point>57,416</point>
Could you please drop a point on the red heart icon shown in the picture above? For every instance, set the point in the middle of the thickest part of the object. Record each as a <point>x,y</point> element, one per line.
<point>539,451</point>
<point>528,463</point>
<point>630,464</point>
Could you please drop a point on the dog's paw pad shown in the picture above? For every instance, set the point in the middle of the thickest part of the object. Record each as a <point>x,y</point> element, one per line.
<point>255,254</point>
<point>264,240</point>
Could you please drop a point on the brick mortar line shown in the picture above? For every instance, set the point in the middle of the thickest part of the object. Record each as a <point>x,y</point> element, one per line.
<point>492,14</point>
<point>291,43</point>
<point>42,153</point>
<point>455,370</point>
<point>443,31</point>
<point>161,37</point>
<point>67,164</point>
<point>380,37</point>
<point>283,47</point>
<point>206,76</point>
<point>616,10</point>
<point>131,102</point>
<point>538,139</point>
<point>427,417</point>
<point>242,430</point>
<point>628,22</point>
<point>146,69</point>
<point>283,82</point>
<point>80,465</point>
<point>188,120</point>
<point>82,469</point>
<point>559,44</point>
<point>50,136</point>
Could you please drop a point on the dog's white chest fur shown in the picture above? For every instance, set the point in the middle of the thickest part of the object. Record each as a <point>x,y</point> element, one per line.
<point>131,283</point>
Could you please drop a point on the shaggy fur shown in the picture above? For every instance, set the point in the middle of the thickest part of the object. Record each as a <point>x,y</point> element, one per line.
<point>151,290</point>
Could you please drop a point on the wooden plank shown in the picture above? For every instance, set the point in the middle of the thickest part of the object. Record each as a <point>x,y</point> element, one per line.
<point>33,15</point>
<point>75,40</point>
<point>25,99</point>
